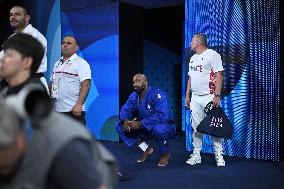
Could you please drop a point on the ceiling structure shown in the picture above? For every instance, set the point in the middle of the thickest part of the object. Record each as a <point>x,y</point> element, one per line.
<point>150,4</point>
<point>146,4</point>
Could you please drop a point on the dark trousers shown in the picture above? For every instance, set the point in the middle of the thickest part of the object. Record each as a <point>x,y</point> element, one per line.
<point>81,118</point>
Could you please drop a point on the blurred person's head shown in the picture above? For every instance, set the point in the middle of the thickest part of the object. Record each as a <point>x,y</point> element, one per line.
<point>69,46</point>
<point>12,140</point>
<point>19,18</point>
<point>199,42</point>
<point>22,56</point>
<point>140,82</point>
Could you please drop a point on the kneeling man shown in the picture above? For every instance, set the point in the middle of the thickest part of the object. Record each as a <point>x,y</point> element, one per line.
<point>146,114</point>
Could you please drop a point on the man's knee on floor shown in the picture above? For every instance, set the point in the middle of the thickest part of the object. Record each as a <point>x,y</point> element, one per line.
<point>118,127</point>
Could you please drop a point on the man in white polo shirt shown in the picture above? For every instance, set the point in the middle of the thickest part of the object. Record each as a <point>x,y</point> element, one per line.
<point>205,84</point>
<point>20,22</point>
<point>70,81</point>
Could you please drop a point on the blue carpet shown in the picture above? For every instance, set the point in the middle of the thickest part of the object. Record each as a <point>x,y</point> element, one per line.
<point>239,173</point>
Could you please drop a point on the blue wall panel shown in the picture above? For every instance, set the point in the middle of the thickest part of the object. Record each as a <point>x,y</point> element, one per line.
<point>96,28</point>
<point>246,34</point>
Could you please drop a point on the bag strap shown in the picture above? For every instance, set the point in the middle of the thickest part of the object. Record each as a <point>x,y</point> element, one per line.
<point>208,107</point>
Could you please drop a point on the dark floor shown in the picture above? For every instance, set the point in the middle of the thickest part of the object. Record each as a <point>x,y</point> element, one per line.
<point>239,173</point>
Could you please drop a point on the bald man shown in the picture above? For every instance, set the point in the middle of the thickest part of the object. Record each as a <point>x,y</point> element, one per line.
<point>146,114</point>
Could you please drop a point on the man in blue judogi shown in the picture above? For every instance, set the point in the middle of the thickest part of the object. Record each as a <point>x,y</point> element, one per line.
<point>145,114</point>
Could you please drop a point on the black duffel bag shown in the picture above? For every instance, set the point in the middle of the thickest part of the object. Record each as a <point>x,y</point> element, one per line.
<point>216,123</point>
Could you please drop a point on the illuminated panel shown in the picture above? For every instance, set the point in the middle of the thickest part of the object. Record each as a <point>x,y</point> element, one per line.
<point>246,34</point>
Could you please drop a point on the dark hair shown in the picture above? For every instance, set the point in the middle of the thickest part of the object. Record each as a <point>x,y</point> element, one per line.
<point>27,46</point>
<point>75,39</point>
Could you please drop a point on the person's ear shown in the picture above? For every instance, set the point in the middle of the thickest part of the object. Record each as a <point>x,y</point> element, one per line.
<point>28,61</point>
<point>145,82</point>
<point>27,18</point>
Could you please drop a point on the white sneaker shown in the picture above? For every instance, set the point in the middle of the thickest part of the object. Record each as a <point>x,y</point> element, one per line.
<point>194,159</point>
<point>220,160</point>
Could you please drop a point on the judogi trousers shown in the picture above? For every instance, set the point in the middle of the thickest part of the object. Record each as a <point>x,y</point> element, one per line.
<point>161,132</point>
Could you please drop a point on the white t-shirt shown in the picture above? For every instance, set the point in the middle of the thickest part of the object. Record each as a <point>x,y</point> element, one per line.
<point>68,76</point>
<point>36,34</point>
<point>201,70</point>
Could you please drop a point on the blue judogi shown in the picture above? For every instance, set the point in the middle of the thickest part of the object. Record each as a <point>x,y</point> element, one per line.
<point>154,116</point>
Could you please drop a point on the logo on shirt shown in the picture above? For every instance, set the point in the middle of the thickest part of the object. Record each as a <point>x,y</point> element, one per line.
<point>159,96</point>
<point>197,68</point>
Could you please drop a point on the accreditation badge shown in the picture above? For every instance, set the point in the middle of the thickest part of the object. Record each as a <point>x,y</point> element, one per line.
<point>54,91</point>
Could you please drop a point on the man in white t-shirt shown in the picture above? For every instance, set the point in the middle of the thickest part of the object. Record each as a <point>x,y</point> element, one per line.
<point>204,84</point>
<point>70,81</point>
<point>20,22</point>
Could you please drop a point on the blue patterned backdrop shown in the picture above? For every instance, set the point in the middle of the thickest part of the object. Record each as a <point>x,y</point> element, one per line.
<point>246,33</point>
<point>160,67</point>
<point>95,25</point>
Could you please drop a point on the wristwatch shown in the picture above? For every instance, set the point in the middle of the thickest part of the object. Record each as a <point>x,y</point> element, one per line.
<point>217,95</point>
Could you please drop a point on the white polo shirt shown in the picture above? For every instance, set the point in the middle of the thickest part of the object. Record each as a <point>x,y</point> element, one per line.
<point>68,76</point>
<point>36,34</point>
<point>201,70</point>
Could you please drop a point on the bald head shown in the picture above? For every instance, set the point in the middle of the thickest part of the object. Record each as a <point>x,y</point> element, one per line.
<point>23,9</point>
<point>140,76</point>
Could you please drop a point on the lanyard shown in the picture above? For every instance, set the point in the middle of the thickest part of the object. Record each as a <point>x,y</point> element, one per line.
<point>57,70</point>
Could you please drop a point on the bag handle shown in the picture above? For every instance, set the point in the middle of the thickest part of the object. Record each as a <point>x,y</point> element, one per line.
<point>208,107</point>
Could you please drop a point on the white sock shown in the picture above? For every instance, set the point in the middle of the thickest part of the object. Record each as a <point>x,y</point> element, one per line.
<point>143,146</point>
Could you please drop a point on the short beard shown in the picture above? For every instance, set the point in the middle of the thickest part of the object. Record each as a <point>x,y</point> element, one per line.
<point>140,90</point>
<point>20,25</point>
